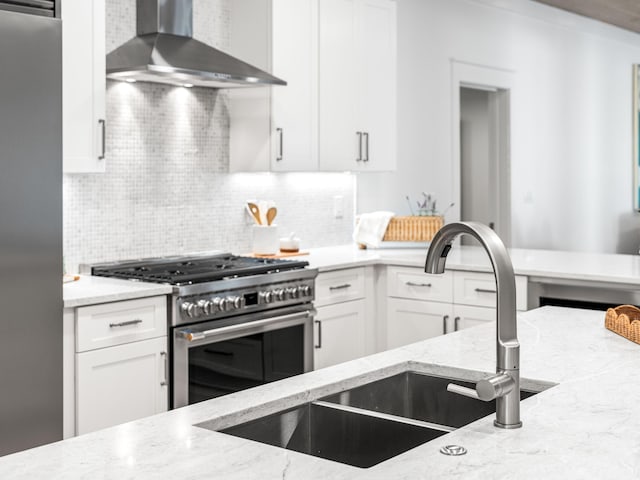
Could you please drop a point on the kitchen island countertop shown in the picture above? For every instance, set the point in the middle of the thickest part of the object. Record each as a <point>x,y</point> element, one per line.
<point>584,427</point>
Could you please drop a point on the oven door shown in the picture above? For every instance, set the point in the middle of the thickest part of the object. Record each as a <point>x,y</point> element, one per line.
<point>215,358</point>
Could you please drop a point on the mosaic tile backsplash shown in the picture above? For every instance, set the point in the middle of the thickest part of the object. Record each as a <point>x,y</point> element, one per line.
<point>167,189</point>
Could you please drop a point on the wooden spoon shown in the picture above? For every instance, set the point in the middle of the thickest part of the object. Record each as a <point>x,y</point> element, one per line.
<point>271,214</point>
<point>255,211</point>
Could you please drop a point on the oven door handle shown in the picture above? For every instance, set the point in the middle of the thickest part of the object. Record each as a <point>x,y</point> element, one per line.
<point>232,329</point>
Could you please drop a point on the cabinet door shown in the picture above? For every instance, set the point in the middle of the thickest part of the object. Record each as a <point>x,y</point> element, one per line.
<point>339,81</point>
<point>410,321</point>
<point>340,333</point>
<point>83,86</point>
<point>295,110</point>
<point>377,72</point>
<point>275,129</point>
<point>119,384</point>
<point>465,316</point>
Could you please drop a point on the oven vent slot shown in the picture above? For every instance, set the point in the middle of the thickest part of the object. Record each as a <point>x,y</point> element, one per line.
<point>45,8</point>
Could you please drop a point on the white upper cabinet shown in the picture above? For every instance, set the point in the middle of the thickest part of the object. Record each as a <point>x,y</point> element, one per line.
<point>357,85</point>
<point>338,110</point>
<point>83,86</point>
<point>275,128</point>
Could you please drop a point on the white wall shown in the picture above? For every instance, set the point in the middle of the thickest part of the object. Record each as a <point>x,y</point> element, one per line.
<point>571,111</point>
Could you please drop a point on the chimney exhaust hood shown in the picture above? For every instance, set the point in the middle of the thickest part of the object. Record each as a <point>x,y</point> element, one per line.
<point>164,51</point>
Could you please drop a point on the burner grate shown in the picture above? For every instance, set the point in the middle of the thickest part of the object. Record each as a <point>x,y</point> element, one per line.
<point>191,270</point>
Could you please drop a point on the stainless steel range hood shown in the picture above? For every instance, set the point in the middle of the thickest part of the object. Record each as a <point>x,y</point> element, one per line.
<point>165,52</point>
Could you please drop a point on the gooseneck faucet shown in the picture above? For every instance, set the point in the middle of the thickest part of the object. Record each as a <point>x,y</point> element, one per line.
<point>504,386</point>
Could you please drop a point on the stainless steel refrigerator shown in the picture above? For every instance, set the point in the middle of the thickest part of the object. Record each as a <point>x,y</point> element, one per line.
<point>30,224</point>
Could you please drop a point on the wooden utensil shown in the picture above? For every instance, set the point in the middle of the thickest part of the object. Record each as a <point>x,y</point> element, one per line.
<point>271,214</point>
<point>255,211</point>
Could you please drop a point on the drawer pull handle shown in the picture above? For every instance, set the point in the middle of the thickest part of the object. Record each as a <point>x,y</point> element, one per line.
<point>414,284</point>
<point>125,324</point>
<point>456,324</point>
<point>444,324</point>
<point>340,287</point>
<point>164,382</point>
<point>319,323</point>
<point>485,290</point>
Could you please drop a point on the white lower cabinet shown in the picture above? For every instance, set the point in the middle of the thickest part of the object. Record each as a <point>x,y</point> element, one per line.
<point>421,306</point>
<point>410,321</point>
<point>116,363</point>
<point>340,333</point>
<point>122,383</point>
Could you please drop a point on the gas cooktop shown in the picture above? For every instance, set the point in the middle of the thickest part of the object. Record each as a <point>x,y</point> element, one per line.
<point>190,270</point>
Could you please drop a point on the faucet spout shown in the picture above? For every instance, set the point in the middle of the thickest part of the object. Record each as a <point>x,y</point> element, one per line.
<point>507,345</point>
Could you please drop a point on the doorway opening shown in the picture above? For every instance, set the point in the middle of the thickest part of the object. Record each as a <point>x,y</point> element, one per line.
<point>482,146</point>
<point>484,181</point>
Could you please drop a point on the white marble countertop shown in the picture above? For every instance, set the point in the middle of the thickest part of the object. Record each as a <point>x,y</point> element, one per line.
<point>90,290</point>
<point>597,267</point>
<point>585,427</point>
<point>610,268</point>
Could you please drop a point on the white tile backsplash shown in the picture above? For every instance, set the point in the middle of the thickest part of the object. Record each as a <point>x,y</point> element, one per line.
<point>167,189</point>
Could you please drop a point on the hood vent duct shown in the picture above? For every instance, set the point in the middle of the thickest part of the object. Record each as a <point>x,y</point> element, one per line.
<point>164,51</point>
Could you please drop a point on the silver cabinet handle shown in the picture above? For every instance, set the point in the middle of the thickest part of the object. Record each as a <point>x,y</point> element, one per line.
<point>414,284</point>
<point>456,323</point>
<point>359,134</point>
<point>103,123</point>
<point>280,144</point>
<point>485,290</point>
<point>444,324</point>
<point>164,382</point>
<point>125,324</point>
<point>319,344</point>
<point>340,287</point>
<point>366,145</point>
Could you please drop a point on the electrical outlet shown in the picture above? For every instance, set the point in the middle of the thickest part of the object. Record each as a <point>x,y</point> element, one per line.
<point>338,206</point>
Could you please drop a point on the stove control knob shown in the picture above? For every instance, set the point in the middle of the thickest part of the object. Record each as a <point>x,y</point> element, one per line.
<point>216,305</point>
<point>225,305</point>
<point>237,302</point>
<point>266,296</point>
<point>191,309</point>
<point>279,294</point>
<point>232,303</point>
<point>204,307</point>
<point>293,292</point>
<point>305,290</point>
<point>187,308</point>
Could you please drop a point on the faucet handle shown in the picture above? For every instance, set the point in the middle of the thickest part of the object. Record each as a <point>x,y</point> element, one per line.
<point>486,389</point>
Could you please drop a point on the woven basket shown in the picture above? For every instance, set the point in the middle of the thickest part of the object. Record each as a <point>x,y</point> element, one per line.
<point>624,320</point>
<point>413,228</point>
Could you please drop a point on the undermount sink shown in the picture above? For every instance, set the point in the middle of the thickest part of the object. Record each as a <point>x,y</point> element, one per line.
<point>374,422</point>
<point>421,397</point>
<point>327,431</point>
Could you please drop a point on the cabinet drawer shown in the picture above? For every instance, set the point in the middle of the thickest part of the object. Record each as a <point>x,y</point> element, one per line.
<point>116,323</point>
<point>474,288</point>
<point>339,286</point>
<point>413,283</point>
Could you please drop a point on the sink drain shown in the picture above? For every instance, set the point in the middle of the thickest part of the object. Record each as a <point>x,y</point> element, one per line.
<point>453,450</point>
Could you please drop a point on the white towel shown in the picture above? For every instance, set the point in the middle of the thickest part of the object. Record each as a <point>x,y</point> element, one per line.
<point>370,228</point>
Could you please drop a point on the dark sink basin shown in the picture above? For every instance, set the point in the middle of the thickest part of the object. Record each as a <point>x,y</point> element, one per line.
<point>419,396</point>
<point>326,431</point>
<point>371,423</point>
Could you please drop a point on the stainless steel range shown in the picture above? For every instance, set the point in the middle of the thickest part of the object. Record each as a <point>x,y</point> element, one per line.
<point>235,322</point>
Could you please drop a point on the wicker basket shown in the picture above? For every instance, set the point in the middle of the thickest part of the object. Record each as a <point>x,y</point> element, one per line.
<point>413,228</point>
<point>624,320</point>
